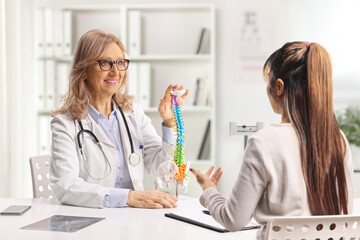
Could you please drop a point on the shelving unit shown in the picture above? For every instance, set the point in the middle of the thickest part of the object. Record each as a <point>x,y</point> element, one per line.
<point>162,43</point>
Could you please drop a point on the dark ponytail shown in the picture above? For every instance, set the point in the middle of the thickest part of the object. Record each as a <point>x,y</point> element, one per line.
<point>308,102</point>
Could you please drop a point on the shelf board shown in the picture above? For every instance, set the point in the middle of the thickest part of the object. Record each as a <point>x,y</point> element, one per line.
<point>44,112</point>
<point>184,109</point>
<point>144,7</point>
<point>152,110</point>
<point>202,164</point>
<point>200,57</point>
<point>200,161</point>
<point>149,7</point>
<point>57,58</point>
<point>189,57</point>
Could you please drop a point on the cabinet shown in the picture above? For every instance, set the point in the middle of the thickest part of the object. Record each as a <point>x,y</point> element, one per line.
<point>166,44</point>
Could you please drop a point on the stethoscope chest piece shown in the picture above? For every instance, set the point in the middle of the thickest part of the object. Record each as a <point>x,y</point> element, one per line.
<point>134,159</point>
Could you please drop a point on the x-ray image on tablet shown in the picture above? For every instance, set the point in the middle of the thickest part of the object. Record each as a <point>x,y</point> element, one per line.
<point>62,223</point>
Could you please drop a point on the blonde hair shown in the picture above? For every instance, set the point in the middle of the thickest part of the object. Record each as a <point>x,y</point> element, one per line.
<point>77,99</point>
<point>306,71</point>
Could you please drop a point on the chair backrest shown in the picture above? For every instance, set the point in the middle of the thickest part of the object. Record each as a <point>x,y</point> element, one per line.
<point>335,227</point>
<point>40,170</point>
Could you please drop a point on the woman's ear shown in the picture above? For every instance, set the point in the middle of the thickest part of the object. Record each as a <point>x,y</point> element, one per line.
<point>279,87</point>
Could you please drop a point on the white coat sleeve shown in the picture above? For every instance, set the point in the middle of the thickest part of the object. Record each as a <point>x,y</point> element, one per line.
<point>67,186</point>
<point>156,150</point>
<point>236,212</point>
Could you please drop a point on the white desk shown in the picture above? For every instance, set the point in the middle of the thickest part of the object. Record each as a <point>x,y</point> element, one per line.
<point>120,223</point>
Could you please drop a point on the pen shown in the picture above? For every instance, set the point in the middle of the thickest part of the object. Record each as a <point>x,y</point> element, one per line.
<point>206,212</point>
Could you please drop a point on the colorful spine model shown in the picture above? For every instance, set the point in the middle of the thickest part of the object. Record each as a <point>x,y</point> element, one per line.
<point>179,155</point>
<point>175,171</point>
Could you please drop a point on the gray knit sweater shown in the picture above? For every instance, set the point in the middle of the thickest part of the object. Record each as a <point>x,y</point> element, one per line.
<point>270,182</point>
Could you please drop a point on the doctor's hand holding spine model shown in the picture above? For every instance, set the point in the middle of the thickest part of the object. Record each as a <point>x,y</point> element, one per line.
<point>300,166</point>
<point>102,141</point>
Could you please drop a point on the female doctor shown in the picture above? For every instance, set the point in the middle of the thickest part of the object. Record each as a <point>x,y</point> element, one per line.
<point>101,138</point>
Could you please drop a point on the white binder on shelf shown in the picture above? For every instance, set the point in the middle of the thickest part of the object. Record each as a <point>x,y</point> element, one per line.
<point>67,29</point>
<point>44,134</point>
<point>40,38</point>
<point>50,84</point>
<point>41,84</point>
<point>144,84</point>
<point>49,34</point>
<point>61,81</point>
<point>133,80</point>
<point>196,92</point>
<point>134,41</point>
<point>58,32</point>
<point>203,94</point>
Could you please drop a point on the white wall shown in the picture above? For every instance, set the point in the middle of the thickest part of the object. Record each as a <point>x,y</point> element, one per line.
<point>241,94</point>
<point>3,101</point>
<point>240,89</point>
<point>18,116</point>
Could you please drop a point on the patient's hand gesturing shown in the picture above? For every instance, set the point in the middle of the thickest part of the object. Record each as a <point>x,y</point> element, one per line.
<point>205,180</point>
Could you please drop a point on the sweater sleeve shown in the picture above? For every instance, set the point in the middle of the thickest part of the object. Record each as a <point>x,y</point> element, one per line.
<point>235,212</point>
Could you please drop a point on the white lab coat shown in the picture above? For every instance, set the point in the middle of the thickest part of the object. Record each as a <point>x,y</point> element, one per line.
<point>70,181</point>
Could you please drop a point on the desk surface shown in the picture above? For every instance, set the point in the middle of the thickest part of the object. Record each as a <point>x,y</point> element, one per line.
<point>120,223</point>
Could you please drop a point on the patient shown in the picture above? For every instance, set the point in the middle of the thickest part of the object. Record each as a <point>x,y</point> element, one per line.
<point>300,166</point>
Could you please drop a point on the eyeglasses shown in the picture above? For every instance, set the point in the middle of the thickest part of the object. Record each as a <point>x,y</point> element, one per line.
<point>107,64</point>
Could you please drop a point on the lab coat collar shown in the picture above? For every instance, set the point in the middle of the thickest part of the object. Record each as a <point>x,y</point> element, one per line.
<point>126,113</point>
<point>90,124</point>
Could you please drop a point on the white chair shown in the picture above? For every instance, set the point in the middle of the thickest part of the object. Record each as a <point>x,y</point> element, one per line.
<point>40,170</point>
<point>329,227</point>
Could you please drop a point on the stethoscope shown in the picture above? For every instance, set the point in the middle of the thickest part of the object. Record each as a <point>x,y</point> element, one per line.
<point>134,158</point>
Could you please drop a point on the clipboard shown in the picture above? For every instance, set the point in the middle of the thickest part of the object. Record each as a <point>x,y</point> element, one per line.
<point>197,223</point>
<point>206,221</point>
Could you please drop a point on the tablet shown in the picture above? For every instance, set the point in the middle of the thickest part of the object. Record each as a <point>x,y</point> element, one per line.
<point>15,210</point>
